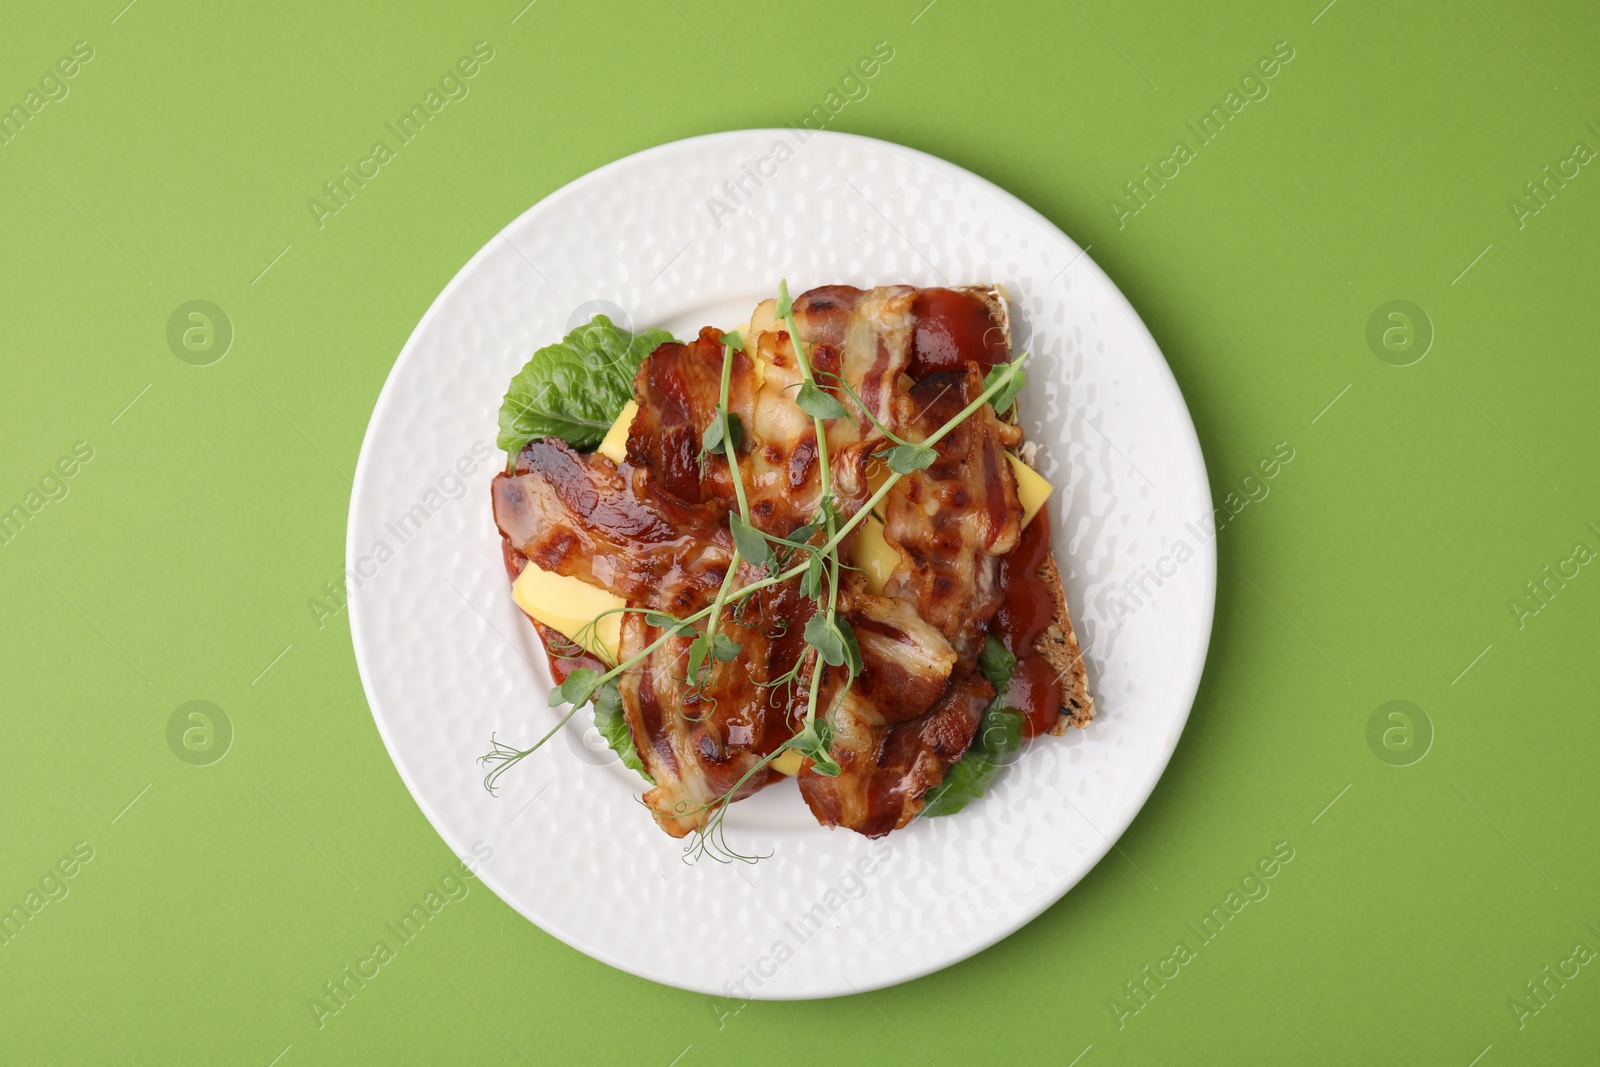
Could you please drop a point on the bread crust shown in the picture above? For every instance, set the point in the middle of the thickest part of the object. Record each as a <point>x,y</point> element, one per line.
<point>1059,647</point>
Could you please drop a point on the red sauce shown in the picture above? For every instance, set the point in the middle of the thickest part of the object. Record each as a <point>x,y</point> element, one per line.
<point>953,328</point>
<point>1035,690</point>
<point>1025,612</point>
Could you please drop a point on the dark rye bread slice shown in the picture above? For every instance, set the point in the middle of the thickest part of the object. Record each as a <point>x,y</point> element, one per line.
<point>1059,647</point>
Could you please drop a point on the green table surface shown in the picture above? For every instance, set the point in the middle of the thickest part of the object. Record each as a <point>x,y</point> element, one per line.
<point>1433,540</point>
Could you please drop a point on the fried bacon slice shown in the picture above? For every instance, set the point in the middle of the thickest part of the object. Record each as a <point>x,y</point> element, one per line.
<point>896,728</point>
<point>887,768</point>
<point>677,390</point>
<point>862,336</point>
<point>700,743</point>
<point>953,521</point>
<point>579,515</point>
<point>905,663</point>
<point>576,514</point>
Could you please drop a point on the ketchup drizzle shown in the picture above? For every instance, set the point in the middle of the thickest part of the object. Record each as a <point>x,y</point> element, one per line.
<point>1026,611</point>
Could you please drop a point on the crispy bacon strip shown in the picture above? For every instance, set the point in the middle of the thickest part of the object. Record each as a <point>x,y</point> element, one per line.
<point>580,516</point>
<point>905,663</point>
<point>897,726</point>
<point>577,514</point>
<point>886,770</point>
<point>866,337</point>
<point>677,390</point>
<point>953,521</point>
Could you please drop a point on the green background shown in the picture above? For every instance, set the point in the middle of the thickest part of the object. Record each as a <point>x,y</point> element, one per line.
<point>1382,565</point>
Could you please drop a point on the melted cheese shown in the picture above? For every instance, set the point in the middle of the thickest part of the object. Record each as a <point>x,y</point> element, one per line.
<point>874,555</point>
<point>570,606</point>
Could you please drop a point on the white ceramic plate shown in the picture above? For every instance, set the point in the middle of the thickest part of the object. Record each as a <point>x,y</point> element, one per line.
<point>696,233</point>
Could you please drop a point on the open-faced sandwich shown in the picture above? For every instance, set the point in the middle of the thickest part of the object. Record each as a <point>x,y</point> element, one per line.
<point>813,547</point>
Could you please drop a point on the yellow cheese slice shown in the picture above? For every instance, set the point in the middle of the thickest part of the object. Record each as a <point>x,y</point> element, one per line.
<point>569,606</point>
<point>788,762</point>
<point>1032,489</point>
<point>615,445</point>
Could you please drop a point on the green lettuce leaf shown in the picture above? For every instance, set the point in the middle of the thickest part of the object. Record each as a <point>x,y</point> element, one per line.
<point>576,389</point>
<point>613,726</point>
<point>996,663</point>
<point>999,735</point>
